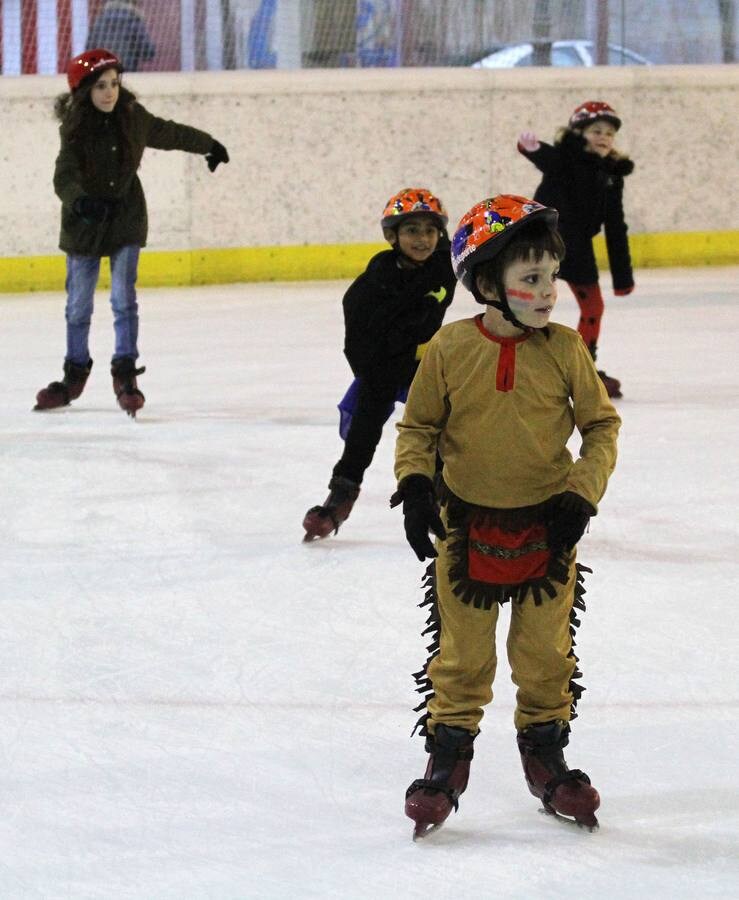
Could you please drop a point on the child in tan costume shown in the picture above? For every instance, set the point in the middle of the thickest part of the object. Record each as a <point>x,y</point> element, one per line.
<point>498,396</point>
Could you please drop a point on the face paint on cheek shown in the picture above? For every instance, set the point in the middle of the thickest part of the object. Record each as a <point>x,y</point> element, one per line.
<point>520,303</point>
<point>520,295</point>
<point>524,311</point>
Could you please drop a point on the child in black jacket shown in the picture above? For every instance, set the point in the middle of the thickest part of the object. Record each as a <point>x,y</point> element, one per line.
<point>584,181</point>
<point>390,312</point>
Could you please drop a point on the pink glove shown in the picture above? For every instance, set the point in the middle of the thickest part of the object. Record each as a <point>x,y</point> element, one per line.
<point>622,292</point>
<point>529,141</point>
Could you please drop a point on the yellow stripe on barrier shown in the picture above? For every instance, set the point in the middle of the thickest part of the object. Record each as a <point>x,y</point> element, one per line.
<point>688,248</point>
<point>169,268</point>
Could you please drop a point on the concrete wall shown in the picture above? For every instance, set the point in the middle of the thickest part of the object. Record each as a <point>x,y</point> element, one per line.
<point>315,154</point>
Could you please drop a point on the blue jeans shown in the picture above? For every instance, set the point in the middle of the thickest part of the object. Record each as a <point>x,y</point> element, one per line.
<point>82,278</point>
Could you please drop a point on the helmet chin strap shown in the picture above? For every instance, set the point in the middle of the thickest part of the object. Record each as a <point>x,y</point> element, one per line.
<point>502,305</point>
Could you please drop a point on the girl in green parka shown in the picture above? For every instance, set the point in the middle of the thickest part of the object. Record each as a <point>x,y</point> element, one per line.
<point>104,131</point>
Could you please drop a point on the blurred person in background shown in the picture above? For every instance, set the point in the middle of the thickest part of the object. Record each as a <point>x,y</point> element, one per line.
<point>120,26</point>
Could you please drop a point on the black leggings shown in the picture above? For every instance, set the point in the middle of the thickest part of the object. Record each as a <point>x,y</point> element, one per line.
<point>371,413</point>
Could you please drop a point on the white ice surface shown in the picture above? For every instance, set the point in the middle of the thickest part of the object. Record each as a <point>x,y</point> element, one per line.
<point>193,704</point>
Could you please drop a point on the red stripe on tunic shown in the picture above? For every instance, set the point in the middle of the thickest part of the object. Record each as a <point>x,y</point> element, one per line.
<point>505,376</point>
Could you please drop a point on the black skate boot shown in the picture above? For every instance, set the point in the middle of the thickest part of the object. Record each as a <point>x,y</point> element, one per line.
<point>124,372</point>
<point>61,393</point>
<point>320,521</point>
<point>429,800</point>
<point>566,793</point>
<point>612,385</point>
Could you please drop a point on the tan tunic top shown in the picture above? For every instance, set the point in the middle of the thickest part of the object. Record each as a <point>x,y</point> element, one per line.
<point>501,411</point>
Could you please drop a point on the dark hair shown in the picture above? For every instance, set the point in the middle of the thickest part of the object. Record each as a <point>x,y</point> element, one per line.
<point>532,239</point>
<point>566,133</point>
<point>78,117</point>
<point>562,133</point>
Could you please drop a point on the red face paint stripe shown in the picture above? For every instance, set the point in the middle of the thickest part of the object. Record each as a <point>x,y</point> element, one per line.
<point>520,295</point>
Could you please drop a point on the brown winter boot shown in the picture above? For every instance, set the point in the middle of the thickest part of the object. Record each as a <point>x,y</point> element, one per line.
<point>429,800</point>
<point>320,521</point>
<point>61,393</point>
<point>611,384</point>
<point>563,792</point>
<point>124,372</point>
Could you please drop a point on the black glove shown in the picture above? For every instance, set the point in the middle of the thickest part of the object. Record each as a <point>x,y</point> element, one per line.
<point>216,155</point>
<point>421,514</point>
<point>92,210</point>
<point>568,520</point>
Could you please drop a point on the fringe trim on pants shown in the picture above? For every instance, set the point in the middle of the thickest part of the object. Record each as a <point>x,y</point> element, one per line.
<point>433,630</point>
<point>422,679</point>
<point>578,604</point>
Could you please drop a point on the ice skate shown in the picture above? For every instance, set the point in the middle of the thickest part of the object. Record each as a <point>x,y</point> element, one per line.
<point>320,521</point>
<point>612,385</point>
<point>564,793</point>
<point>429,800</point>
<point>61,393</point>
<point>124,372</point>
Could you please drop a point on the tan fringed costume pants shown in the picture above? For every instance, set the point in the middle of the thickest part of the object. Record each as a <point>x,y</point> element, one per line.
<point>539,651</point>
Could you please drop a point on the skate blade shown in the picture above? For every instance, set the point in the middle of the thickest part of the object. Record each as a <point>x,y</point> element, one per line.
<point>39,407</point>
<point>317,530</point>
<point>130,411</point>
<point>311,536</point>
<point>423,830</point>
<point>591,826</point>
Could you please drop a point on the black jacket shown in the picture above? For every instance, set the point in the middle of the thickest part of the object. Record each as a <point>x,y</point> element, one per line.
<point>114,180</point>
<point>587,191</point>
<point>389,311</point>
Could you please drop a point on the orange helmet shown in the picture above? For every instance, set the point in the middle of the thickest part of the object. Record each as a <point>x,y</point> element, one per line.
<point>487,228</point>
<point>591,111</point>
<point>91,62</point>
<point>411,202</point>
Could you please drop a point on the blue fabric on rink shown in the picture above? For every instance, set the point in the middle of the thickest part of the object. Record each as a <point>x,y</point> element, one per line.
<point>348,404</point>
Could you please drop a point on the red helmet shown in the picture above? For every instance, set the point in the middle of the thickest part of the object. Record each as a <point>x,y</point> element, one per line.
<point>91,62</point>
<point>411,202</point>
<point>591,111</point>
<point>487,228</point>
